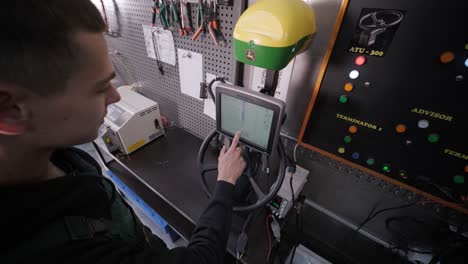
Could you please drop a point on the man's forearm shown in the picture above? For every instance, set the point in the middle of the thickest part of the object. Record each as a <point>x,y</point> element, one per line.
<point>210,237</point>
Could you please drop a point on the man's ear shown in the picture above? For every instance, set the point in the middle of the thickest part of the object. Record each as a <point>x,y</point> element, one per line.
<point>13,116</point>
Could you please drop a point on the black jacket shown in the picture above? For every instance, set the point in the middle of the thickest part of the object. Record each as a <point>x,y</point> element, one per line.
<point>28,211</point>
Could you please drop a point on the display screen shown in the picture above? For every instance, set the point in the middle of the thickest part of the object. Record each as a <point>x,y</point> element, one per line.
<point>117,115</point>
<point>252,120</point>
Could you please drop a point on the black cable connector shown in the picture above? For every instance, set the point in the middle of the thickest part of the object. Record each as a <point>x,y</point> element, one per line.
<point>203,90</point>
<point>301,199</point>
<point>292,169</point>
<point>210,86</point>
<point>242,244</point>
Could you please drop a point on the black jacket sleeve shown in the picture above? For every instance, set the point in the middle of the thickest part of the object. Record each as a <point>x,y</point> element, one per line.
<point>207,244</point>
<point>210,237</point>
<point>209,240</point>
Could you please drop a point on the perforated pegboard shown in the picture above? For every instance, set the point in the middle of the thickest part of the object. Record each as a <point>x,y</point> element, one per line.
<point>132,64</point>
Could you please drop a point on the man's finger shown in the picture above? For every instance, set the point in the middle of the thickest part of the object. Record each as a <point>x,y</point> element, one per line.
<point>235,141</point>
<point>223,152</point>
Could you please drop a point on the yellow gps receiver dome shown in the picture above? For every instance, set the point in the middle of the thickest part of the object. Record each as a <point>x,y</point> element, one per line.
<point>270,33</point>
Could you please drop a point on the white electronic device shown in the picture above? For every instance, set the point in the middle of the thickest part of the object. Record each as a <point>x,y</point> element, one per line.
<point>282,202</point>
<point>131,123</point>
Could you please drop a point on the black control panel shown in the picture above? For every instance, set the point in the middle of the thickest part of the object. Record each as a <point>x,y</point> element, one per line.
<point>392,97</point>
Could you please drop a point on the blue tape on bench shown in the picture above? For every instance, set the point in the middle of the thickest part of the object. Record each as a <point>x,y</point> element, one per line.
<point>148,210</point>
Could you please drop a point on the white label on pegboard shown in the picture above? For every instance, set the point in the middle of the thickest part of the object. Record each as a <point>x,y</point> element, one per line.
<point>148,33</point>
<point>165,45</point>
<point>190,72</point>
<point>284,78</point>
<point>160,44</point>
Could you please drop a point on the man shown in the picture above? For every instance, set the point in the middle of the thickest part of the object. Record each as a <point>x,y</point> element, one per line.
<point>54,89</point>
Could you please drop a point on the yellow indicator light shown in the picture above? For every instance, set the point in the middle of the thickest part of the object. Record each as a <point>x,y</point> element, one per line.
<point>403,174</point>
<point>349,87</point>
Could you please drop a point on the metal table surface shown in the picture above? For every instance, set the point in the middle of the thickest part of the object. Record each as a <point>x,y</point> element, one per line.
<point>165,175</point>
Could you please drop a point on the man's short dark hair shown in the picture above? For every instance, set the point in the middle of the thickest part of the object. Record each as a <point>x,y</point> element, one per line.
<point>37,46</point>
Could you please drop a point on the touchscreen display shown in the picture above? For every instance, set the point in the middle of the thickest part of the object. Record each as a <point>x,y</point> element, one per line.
<point>252,120</point>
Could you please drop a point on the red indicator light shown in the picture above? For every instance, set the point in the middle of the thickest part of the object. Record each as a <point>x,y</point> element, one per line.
<point>360,60</point>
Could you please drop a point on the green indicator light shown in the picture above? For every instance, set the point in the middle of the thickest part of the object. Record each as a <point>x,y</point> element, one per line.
<point>433,138</point>
<point>343,99</point>
<point>347,139</point>
<point>386,168</point>
<point>370,161</point>
<point>459,179</point>
<point>466,46</point>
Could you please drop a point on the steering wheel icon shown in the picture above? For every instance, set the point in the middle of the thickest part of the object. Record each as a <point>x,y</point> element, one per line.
<point>376,23</point>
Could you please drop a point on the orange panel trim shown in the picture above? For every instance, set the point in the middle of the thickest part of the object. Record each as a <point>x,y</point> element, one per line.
<point>339,19</point>
<point>388,179</point>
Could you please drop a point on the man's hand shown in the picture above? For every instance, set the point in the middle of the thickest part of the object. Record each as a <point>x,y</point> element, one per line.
<point>230,162</point>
